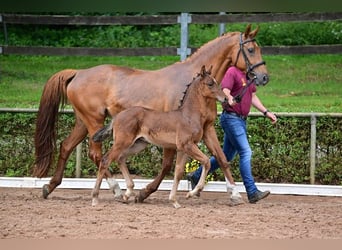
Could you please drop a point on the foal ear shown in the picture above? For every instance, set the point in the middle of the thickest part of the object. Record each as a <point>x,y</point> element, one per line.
<point>203,70</point>
<point>209,71</point>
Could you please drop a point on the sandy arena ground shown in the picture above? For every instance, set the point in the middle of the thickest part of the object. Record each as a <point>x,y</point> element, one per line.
<point>68,214</point>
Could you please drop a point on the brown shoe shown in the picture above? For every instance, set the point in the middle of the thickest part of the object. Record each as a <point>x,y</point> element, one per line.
<point>257,196</point>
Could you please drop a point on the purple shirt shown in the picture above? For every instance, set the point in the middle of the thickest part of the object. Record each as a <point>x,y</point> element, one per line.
<point>235,80</point>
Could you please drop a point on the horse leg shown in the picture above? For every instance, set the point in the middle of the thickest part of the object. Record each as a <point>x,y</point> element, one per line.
<point>168,156</point>
<point>235,196</point>
<point>103,168</point>
<point>76,136</point>
<point>95,154</point>
<point>179,172</point>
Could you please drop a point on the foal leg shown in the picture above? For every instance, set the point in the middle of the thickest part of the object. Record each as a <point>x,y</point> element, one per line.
<point>194,152</point>
<point>120,157</point>
<point>179,172</point>
<point>76,136</point>
<point>212,143</point>
<point>168,155</point>
<point>124,146</point>
<point>129,182</point>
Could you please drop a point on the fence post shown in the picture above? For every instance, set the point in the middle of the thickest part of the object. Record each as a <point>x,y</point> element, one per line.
<point>5,30</point>
<point>78,160</point>
<point>313,148</point>
<point>222,26</point>
<point>184,19</point>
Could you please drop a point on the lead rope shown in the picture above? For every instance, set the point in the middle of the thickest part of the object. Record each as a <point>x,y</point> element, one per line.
<point>239,96</point>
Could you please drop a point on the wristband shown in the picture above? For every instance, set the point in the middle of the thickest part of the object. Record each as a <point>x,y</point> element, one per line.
<point>266,111</point>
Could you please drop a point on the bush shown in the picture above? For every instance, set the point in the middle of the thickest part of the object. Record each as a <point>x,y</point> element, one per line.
<point>280,153</point>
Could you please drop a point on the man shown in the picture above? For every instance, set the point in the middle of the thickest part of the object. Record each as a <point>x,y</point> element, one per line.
<point>241,96</point>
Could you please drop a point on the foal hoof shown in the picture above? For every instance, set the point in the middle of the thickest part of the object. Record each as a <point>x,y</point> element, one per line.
<point>46,191</point>
<point>176,204</point>
<point>125,198</point>
<point>94,202</point>
<point>121,199</point>
<point>193,193</point>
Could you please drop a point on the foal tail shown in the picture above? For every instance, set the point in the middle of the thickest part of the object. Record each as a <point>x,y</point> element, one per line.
<point>103,133</point>
<point>53,96</point>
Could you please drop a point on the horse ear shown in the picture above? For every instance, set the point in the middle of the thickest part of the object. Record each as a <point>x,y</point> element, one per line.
<point>248,30</point>
<point>254,33</point>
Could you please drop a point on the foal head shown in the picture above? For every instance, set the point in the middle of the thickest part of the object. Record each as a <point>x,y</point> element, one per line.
<point>203,85</point>
<point>209,87</point>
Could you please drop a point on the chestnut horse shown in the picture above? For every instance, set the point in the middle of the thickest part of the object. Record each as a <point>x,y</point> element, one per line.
<point>103,90</point>
<point>179,130</point>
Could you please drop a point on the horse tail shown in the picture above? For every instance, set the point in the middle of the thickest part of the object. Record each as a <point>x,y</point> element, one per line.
<point>53,96</point>
<point>103,133</point>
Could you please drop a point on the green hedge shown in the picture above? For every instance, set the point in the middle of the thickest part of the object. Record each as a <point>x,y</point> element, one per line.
<point>280,152</point>
<point>128,36</point>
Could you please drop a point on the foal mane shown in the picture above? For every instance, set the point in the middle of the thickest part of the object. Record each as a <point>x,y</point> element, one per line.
<point>181,102</point>
<point>185,92</point>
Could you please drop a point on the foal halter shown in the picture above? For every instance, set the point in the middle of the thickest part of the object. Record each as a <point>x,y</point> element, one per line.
<point>249,66</point>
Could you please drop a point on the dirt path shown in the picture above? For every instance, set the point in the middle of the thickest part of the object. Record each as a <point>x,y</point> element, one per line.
<point>69,214</point>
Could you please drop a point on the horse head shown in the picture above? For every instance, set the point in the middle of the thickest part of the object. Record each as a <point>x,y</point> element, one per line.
<point>210,87</point>
<point>249,59</point>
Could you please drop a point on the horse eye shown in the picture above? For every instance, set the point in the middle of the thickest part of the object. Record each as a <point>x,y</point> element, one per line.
<point>251,50</point>
<point>211,83</point>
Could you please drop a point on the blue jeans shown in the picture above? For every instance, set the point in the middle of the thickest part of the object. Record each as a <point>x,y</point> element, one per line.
<point>235,142</point>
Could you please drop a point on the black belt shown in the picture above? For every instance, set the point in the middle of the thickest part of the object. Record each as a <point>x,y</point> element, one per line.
<point>235,114</point>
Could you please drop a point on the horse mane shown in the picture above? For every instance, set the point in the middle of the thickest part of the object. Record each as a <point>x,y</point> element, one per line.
<point>208,45</point>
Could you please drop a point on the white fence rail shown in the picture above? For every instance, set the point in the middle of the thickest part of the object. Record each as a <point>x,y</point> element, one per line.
<point>166,185</point>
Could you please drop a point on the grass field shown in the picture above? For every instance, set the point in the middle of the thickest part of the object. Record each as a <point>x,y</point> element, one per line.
<point>298,83</point>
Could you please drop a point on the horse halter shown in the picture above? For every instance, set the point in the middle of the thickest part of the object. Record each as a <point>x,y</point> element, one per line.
<point>250,75</point>
<point>249,66</point>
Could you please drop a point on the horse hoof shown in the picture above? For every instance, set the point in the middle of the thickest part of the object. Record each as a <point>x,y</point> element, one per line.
<point>117,196</point>
<point>139,199</point>
<point>45,191</point>
<point>235,201</point>
<point>117,191</point>
<point>141,196</point>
